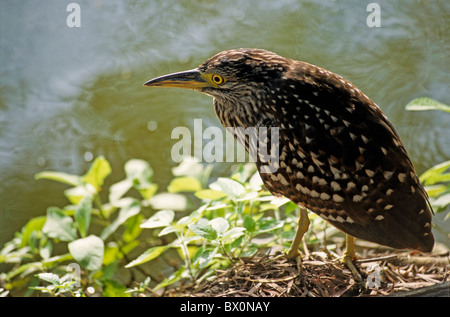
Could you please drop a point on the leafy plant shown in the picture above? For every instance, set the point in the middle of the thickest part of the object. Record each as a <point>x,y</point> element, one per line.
<point>209,223</point>
<point>223,228</point>
<point>425,103</point>
<point>437,178</point>
<point>57,286</point>
<point>85,232</point>
<point>437,185</point>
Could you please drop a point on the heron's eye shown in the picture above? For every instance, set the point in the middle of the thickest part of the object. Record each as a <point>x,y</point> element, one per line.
<point>216,79</point>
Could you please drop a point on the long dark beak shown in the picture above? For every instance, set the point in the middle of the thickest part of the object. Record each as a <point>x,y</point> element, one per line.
<point>191,79</point>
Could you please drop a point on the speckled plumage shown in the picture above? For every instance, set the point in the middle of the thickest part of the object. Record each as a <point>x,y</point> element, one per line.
<point>339,155</point>
<point>342,158</point>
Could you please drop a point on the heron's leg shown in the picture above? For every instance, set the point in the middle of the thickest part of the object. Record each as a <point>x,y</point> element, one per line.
<point>349,256</point>
<point>303,225</point>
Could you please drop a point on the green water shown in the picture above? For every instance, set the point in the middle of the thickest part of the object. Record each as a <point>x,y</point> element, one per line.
<point>70,94</point>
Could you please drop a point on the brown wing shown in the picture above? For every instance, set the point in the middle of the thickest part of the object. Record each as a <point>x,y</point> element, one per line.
<point>341,158</point>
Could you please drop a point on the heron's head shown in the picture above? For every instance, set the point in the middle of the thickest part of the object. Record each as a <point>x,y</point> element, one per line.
<point>233,73</point>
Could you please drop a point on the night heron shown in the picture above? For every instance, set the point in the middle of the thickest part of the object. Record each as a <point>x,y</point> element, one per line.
<point>339,156</point>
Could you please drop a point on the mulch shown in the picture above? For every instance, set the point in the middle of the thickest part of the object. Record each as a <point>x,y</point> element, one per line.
<point>321,274</point>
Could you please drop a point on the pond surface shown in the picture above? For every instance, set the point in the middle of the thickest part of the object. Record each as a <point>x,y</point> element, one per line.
<point>68,95</point>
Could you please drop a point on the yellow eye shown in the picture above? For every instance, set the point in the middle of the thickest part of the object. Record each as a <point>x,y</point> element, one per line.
<point>216,79</point>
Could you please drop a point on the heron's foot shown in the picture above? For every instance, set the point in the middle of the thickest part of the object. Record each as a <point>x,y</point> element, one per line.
<point>303,224</point>
<point>347,260</point>
<point>349,256</point>
<point>293,254</point>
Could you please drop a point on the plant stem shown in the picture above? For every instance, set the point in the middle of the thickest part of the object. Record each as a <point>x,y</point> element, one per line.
<point>99,204</point>
<point>185,251</point>
<point>225,252</point>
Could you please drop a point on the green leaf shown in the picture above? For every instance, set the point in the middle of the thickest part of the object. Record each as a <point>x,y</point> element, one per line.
<point>57,259</point>
<point>193,217</point>
<point>248,196</point>
<point>175,202</point>
<point>97,173</point>
<point>167,230</point>
<point>269,224</point>
<point>112,253</point>
<point>228,186</point>
<point>49,277</point>
<point>219,206</point>
<point>244,171</point>
<point>149,191</point>
<point>24,269</point>
<point>184,184</point>
<point>59,225</point>
<point>119,189</point>
<point>250,251</point>
<point>435,190</point>
<point>130,208</point>
<point>33,225</point>
<point>210,194</point>
<point>436,174</point>
<point>76,194</point>
<point>133,228</point>
<point>45,251</point>
<point>279,201</point>
<point>65,178</point>
<point>441,202</point>
<point>203,229</point>
<point>186,240</point>
<point>162,218</point>
<point>256,182</point>
<point>174,277</point>
<point>88,252</point>
<point>232,234</point>
<point>190,166</point>
<point>249,223</point>
<point>220,225</point>
<point>203,256</point>
<point>139,172</point>
<point>148,255</point>
<point>112,288</point>
<point>424,103</point>
<point>290,207</point>
<point>83,215</point>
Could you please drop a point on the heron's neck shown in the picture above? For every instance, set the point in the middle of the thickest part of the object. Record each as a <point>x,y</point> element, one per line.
<point>241,112</point>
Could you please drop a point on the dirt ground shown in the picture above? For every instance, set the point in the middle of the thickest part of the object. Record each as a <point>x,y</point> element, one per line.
<point>384,272</point>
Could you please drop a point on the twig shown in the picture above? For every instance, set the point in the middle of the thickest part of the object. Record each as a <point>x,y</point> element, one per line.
<point>380,258</point>
<point>408,259</point>
<point>267,280</point>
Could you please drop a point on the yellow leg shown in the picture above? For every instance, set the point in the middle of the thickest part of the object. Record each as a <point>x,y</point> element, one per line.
<point>349,256</point>
<point>303,225</point>
<point>349,248</point>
